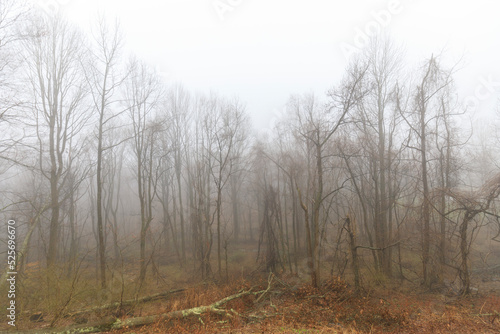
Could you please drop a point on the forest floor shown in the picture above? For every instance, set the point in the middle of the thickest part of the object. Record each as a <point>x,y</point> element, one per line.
<point>280,305</point>
<point>333,308</point>
<point>262,304</point>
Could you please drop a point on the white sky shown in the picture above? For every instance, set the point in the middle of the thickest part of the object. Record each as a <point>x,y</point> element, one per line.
<point>264,50</point>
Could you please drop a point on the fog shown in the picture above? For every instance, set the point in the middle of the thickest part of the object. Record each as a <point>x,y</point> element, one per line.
<point>169,145</point>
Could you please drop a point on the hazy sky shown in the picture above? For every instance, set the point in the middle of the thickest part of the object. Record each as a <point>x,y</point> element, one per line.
<point>264,50</point>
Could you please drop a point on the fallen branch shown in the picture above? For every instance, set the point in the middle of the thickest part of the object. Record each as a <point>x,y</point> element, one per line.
<point>111,323</point>
<point>269,284</point>
<point>117,305</point>
<point>114,324</point>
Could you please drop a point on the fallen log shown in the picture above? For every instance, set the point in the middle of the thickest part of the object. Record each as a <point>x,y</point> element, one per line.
<point>114,323</point>
<point>129,302</point>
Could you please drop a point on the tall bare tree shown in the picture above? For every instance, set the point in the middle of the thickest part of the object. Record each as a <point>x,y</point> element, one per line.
<point>178,105</point>
<point>424,109</point>
<point>199,176</point>
<point>229,123</point>
<point>316,126</point>
<point>59,114</point>
<point>377,124</point>
<point>103,77</point>
<point>142,95</point>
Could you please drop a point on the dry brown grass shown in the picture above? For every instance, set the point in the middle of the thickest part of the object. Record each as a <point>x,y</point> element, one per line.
<point>333,308</point>
<point>292,307</point>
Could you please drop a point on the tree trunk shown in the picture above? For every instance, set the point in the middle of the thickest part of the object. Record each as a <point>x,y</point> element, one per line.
<point>100,224</point>
<point>181,207</point>
<point>464,254</point>
<point>351,230</point>
<point>425,193</point>
<point>234,200</point>
<point>316,214</point>
<point>310,254</point>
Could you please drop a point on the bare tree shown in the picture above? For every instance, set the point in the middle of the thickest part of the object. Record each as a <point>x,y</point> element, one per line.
<point>378,123</point>
<point>472,204</point>
<point>178,104</point>
<point>448,166</point>
<point>142,93</point>
<point>228,132</point>
<point>104,80</point>
<point>269,231</point>
<point>59,113</point>
<point>316,126</point>
<point>433,82</point>
<point>202,215</point>
<point>13,15</point>
<point>113,164</point>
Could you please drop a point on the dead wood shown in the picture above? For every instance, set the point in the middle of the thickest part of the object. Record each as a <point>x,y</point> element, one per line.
<point>118,305</point>
<point>111,323</point>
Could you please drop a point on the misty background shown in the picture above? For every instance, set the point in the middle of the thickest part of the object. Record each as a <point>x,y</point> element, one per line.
<point>148,145</point>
